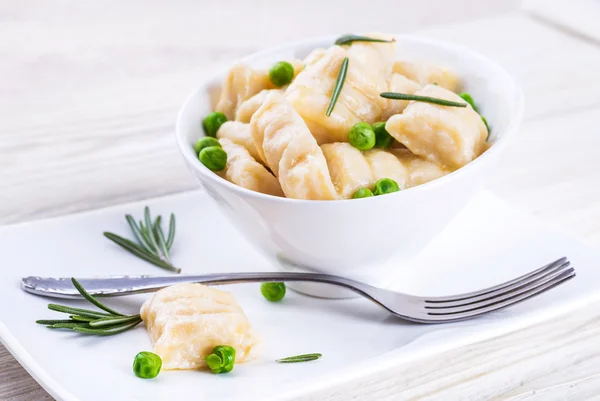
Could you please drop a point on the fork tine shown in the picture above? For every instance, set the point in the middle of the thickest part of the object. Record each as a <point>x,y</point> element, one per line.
<point>541,271</point>
<point>516,298</point>
<point>520,285</point>
<point>499,298</point>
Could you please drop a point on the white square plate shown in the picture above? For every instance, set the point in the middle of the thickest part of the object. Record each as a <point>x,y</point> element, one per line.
<point>488,243</point>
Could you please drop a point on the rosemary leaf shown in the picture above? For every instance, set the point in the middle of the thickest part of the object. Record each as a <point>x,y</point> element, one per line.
<point>348,39</point>
<point>338,86</point>
<point>136,232</point>
<point>160,236</point>
<point>149,228</point>
<point>156,223</point>
<point>78,311</point>
<point>108,331</point>
<point>51,322</point>
<point>78,318</point>
<point>427,99</point>
<point>125,243</point>
<point>70,325</point>
<point>139,252</point>
<point>171,235</point>
<point>111,321</point>
<point>93,300</point>
<point>147,241</point>
<point>299,358</point>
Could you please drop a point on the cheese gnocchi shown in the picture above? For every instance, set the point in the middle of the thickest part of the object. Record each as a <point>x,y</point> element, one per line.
<point>286,145</point>
<point>448,136</point>
<point>243,170</point>
<point>186,321</point>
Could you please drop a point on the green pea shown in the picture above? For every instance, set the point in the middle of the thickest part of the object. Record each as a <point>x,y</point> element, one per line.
<point>469,99</point>
<point>383,139</point>
<point>361,136</point>
<point>213,122</point>
<point>205,142</point>
<point>385,186</point>
<point>222,359</point>
<point>281,73</point>
<point>146,365</point>
<point>213,157</point>
<point>362,193</point>
<point>273,291</point>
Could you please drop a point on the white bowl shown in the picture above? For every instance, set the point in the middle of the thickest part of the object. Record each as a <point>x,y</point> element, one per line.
<point>367,239</point>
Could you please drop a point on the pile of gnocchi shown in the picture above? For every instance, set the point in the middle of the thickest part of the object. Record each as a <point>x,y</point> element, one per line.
<point>346,122</point>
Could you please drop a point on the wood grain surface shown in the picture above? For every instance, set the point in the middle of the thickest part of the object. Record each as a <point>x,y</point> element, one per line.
<point>89,95</point>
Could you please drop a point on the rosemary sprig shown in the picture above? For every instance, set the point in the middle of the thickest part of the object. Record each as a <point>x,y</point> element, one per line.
<point>299,358</point>
<point>89,321</point>
<point>338,86</point>
<point>417,98</point>
<point>348,39</point>
<point>151,244</point>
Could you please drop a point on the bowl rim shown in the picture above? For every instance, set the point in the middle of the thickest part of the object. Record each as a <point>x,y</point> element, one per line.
<point>499,144</point>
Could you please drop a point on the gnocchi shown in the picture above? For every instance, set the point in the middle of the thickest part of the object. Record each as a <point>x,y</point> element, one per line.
<point>292,139</point>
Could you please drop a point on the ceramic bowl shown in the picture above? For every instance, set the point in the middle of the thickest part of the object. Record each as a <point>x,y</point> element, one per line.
<point>368,239</point>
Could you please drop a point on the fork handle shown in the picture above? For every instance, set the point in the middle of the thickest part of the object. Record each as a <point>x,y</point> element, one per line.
<point>115,286</point>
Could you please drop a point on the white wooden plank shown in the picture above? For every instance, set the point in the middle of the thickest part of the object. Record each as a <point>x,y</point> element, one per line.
<point>552,170</point>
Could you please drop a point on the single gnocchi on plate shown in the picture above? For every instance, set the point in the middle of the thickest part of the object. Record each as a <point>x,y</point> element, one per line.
<point>349,121</point>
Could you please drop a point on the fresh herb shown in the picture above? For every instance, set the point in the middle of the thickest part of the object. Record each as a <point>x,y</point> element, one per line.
<point>222,359</point>
<point>147,365</point>
<point>151,246</point>
<point>299,358</point>
<point>348,39</point>
<point>88,321</point>
<point>427,99</point>
<point>273,291</point>
<point>338,86</point>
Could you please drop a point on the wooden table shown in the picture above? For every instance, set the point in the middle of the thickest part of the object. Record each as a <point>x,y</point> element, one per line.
<point>88,99</point>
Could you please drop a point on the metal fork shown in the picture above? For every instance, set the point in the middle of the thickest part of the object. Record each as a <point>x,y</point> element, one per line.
<point>408,307</point>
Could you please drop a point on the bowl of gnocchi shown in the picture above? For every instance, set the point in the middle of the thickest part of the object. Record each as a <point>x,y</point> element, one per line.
<point>348,155</point>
